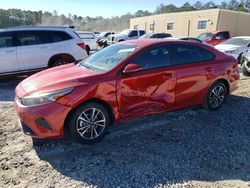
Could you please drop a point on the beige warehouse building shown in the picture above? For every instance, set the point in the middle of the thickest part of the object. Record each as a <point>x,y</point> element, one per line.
<point>193,23</point>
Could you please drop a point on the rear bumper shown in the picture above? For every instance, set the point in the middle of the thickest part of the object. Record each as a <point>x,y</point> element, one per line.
<point>43,121</point>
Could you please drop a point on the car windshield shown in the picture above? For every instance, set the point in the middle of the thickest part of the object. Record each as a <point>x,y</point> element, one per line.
<point>237,41</point>
<point>205,36</point>
<point>107,58</point>
<point>125,32</point>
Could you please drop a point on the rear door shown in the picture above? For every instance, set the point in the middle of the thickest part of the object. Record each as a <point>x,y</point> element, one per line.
<point>8,60</point>
<point>194,70</point>
<point>150,90</point>
<point>33,50</point>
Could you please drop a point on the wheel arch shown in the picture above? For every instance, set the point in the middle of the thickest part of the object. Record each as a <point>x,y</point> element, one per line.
<point>61,55</point>
<point>96,100</point>
<point>224,81</point>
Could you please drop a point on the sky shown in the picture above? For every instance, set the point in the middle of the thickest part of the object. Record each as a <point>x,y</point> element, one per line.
<point>92,8</point>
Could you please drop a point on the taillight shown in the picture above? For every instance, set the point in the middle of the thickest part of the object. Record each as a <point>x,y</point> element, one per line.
<point>81,45</point>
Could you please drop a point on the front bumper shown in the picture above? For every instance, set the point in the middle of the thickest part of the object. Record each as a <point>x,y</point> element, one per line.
<point>43,121</point>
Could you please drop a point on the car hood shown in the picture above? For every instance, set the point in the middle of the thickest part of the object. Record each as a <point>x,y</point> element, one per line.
<point>226,47</point>
<point>57,78</point>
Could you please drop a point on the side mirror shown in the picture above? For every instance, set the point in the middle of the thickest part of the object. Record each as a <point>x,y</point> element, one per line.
<point>131,68</point>
<point>218,38</point>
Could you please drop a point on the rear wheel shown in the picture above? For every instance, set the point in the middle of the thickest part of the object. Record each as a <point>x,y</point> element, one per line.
<point>216,96</point>
<point>246,67</point>
<point>61,61</point>
<point>88,50</point>
<point>89,123</point>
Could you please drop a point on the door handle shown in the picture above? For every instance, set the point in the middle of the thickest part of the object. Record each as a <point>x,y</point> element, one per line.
<point>43,47</point>
<point>168,75</point>
<point>209,69</point>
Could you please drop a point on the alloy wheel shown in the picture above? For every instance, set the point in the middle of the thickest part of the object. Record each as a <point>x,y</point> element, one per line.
<point>217,96</point>
<point>91,123</point>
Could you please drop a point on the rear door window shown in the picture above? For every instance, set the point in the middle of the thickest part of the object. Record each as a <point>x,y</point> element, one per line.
<point>58,36</point>
<point>186,54</point>
<point>6,40</point>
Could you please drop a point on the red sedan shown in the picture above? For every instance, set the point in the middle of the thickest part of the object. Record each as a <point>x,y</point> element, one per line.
<point>123,81</point>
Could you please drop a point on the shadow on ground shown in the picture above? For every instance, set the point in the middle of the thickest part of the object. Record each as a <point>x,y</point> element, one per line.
<point>174,147</point>
<point>7,88</point>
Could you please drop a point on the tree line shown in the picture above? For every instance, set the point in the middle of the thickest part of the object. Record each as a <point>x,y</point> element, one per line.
<point>18,17</point>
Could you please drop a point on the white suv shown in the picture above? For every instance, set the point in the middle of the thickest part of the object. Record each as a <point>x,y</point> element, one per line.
<point>29,49</point>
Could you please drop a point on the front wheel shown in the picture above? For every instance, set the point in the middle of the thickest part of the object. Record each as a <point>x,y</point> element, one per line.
<point>246,68</point>
<point>89,123</point>
<point>216,96</point>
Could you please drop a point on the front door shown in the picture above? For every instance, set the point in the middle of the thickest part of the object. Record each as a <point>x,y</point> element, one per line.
<point>150,90</point>
<point>33,51</point>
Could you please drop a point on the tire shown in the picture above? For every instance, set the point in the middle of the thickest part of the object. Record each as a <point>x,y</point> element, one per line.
<point>86,127</point>
<point>88,50</point>
<point>246,68</point>
<point>61,61</point>
<point>215,96</point>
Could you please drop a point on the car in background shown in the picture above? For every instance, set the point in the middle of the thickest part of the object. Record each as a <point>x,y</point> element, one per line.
<point>30,49</point>
<point>244,60</point>
<point>127,34</point>
<point>155,36</point>
<point>103,37</point>
<point>89,39</point>
<point>214,38</point>
<point>235,46</point>
<point>123,81</point>
<point>192,39</point>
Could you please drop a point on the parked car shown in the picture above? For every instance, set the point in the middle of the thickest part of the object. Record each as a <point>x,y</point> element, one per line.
<point>89,39</point>
<point>235,46</point>
<point>103,37</point>
<point>29,49</point>
<point>244,60</point>
<point>214,38</point>
<point>155,36</point>
<point>127,34</point>
<point>123,81</point>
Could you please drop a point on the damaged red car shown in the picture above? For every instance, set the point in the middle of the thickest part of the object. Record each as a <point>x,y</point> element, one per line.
<point>123,81</point>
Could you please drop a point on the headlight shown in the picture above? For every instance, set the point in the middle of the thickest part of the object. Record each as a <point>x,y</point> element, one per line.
<point>43,98</point>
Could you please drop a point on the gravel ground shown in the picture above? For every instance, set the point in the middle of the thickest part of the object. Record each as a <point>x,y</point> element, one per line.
<point>186,148</point>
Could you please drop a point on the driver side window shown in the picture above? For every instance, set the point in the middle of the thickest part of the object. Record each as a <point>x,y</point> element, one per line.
<point>154,58</point>
<point>133,34</point>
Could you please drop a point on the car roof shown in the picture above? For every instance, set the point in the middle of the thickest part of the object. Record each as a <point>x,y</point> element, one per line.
<point>85,32</point>
<point>23,28</point>
<point>150,42</point>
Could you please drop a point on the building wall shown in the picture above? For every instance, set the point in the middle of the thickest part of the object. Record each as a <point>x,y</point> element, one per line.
<point>185,23</point>
<point>238,23</point>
